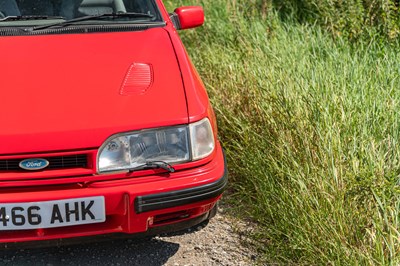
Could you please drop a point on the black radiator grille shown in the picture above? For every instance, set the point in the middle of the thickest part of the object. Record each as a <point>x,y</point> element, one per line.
<point>57,162</point>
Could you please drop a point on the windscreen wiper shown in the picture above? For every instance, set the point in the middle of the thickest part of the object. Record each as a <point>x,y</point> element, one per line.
<point>15,18</point>
<point>94,17</point>
<point>153,165</point>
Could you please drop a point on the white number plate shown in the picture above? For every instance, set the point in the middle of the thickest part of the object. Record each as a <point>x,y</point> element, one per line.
<point>48,214</point>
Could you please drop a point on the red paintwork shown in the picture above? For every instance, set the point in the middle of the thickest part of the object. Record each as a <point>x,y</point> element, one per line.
<point>65,94</point>
<point>63,91</point>
<point>190,16</point>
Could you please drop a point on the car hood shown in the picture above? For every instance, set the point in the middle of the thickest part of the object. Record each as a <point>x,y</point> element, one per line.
<point>63,92</point>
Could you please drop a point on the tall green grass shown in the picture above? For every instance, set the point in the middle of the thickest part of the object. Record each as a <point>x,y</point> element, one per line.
<point>352,19</point>
<point>311,127</point>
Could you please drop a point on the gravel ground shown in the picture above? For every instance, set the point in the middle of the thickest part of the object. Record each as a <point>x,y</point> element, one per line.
<point>223,241</point>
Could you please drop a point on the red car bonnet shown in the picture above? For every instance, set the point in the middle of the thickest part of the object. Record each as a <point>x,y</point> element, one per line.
<point>63,92</point>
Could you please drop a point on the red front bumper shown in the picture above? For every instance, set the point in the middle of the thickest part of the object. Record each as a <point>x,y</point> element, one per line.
<point>133,205</point>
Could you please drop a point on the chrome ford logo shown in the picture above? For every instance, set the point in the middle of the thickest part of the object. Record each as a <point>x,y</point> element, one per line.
<point>33,164</point>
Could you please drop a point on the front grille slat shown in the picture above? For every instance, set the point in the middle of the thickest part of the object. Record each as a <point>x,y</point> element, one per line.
<point>55,163</point>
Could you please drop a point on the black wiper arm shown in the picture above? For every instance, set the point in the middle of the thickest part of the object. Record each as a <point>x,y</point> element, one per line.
<point>94,17</point>
<point>15,18</point>
<point>154,165</point>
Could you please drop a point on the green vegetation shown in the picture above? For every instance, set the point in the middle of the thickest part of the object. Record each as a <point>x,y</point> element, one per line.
<point>310,122</point>
<point>352,19</point>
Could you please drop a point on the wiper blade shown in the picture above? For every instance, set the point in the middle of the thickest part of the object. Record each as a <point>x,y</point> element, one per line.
<point>94,17</point>
<point>15,18</point>
<point>153,165</point>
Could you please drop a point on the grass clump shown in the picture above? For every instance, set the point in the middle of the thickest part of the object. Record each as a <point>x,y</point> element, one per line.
<point>352,19</point>
<point>311,128</point>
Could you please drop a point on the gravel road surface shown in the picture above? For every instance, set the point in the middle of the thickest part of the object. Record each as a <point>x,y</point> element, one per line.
<point>222,242</point>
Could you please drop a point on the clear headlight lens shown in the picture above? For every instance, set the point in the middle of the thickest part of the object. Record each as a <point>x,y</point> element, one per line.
<point>170,145</point>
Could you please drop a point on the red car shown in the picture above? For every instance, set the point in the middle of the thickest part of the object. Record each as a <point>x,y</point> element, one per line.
<point>106,127</point>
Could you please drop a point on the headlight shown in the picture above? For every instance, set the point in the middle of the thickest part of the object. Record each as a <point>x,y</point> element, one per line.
<point>171,145</point>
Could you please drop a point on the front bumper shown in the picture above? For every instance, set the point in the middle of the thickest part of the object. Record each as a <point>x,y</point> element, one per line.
<point>180,197</point>
<point>145,205</point>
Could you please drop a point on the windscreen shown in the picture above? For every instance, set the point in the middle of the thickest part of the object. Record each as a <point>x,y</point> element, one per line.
<point>70,9</point>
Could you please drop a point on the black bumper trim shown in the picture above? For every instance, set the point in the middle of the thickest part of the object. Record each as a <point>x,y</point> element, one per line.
<point>181,197</point>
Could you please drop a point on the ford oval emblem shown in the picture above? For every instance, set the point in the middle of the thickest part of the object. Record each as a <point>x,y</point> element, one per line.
<point>33,164</point>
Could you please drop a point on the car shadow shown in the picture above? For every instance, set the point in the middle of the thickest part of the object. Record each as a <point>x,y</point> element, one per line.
<point>190,230</point>
<point>150,251</point>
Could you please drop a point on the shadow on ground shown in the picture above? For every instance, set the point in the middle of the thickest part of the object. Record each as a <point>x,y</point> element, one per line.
<point>117,252</point>
<point>146,251</point>
<point>136,251</point>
